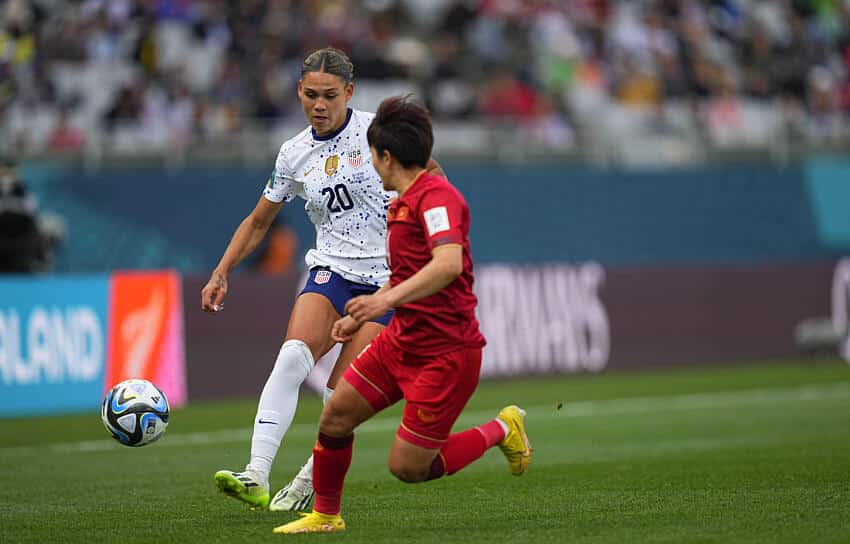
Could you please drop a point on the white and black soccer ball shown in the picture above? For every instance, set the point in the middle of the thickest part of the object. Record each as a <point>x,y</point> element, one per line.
<point>135,412</point>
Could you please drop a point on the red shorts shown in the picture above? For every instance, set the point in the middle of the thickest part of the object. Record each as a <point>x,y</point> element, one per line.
<point>436,388</point>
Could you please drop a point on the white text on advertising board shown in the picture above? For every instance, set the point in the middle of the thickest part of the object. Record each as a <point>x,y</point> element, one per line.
<point>537,320</point>
<point>542,319</point>
<point>50,345</point>
<point>841,305</point>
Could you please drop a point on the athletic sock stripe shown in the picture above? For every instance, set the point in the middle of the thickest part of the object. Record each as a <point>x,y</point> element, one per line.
<point>335,442</point>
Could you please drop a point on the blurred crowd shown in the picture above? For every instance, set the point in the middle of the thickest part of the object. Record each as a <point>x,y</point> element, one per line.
<point>168,73</point>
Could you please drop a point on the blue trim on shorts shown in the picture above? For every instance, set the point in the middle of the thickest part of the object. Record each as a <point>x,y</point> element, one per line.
<point>339,290</point>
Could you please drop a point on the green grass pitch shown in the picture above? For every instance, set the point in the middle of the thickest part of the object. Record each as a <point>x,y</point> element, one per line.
<point>754,453</point>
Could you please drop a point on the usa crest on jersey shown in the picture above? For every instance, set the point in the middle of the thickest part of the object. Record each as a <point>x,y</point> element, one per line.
<point>355,158</point>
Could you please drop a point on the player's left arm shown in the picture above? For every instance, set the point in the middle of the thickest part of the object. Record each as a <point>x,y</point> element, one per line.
<point>445,266</point>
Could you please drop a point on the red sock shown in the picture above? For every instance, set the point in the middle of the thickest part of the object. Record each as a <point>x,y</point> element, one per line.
<point>462,448</point>
<point>331,459</point>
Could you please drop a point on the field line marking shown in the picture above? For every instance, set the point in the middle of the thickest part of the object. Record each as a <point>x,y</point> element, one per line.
<point>578,409</point>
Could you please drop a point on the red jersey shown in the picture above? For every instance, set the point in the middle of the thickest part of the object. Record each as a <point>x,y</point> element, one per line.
<point>429,214</point>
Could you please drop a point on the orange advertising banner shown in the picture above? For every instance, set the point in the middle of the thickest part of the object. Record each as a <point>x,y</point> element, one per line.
<point>145,336</point>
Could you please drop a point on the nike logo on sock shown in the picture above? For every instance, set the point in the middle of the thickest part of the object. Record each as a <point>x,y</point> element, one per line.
<point>271,422</point>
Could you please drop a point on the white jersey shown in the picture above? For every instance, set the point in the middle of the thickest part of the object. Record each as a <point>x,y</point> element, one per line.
<point>345,199</point>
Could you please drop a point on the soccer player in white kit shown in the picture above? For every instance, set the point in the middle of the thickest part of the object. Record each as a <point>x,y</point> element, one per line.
<point>329,165</point>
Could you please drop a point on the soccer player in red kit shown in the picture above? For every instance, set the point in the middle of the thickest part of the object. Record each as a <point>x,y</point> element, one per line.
<point>430,354</point>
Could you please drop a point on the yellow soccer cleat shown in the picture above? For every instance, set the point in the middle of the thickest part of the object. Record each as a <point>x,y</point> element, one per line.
<point>314,522</point>
<point>515,445</point>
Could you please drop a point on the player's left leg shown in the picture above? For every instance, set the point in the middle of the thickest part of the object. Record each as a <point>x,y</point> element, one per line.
<point>307,339</point>
<point>424,449</point>
<point>412,463</point>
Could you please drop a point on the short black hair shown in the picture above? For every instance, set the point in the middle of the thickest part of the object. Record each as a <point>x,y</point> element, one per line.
<point>329,60</point>
<point>403,128</point>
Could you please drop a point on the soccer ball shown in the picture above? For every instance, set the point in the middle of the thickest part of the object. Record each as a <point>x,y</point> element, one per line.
<point>136,412</point>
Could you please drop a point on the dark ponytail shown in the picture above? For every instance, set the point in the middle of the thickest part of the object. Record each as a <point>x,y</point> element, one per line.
<point>329,60</point>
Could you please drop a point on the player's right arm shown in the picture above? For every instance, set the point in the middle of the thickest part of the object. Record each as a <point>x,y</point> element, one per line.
<point>248,235</point>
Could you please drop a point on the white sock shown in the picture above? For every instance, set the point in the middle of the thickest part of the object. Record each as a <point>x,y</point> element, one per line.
<point>277,404</point>
<point>306,472</point>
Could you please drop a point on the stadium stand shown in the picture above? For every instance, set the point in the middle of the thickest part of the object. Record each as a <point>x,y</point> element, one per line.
<point>142,76</point>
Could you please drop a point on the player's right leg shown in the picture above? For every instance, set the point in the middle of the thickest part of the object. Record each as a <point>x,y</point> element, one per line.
<point>298,493</point>
<point>367,387</point>
<point>307,339</point>
<point>346,409</point>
